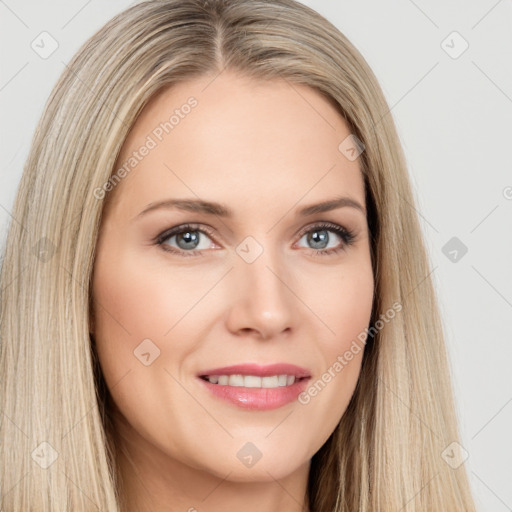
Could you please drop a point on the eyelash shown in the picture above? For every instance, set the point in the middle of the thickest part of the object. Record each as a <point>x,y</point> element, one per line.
<point>345,234</point>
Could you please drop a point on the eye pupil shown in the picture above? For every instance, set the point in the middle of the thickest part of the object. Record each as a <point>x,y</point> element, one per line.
<point>189,237</point>
<point>320,237</point>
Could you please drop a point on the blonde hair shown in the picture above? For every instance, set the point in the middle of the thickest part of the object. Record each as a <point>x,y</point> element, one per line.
<point>386,452</point>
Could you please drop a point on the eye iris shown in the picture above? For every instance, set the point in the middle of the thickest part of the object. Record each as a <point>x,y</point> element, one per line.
<point>320,237</point>
<point>189,237</point>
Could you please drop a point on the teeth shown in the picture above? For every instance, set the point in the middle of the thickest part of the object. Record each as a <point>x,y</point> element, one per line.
<point>235,380</point>
<point>270,382</point>
<point>252,381</point>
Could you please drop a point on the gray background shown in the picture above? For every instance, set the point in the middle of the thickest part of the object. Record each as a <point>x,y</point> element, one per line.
<point>454,116</point>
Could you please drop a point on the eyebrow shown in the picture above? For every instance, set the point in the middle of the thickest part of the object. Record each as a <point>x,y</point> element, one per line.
<point>213,208</point>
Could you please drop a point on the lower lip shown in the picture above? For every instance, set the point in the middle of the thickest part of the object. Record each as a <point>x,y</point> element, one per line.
<point>259,399</point>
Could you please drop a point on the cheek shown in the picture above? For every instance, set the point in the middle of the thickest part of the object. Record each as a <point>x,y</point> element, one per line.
<point>341,298</point>
<point>350,300</point>
<point>131,303</point>
<point>134,300</point>
<point>344,304</point>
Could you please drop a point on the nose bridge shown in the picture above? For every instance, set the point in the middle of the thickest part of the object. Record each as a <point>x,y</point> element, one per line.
<point>264,279</point>
<point>262,300</point>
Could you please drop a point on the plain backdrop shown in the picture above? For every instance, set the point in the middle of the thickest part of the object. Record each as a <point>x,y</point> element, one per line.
<point>446,71</point>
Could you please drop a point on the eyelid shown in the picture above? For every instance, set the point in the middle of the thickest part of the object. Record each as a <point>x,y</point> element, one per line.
<point>187,226</point>
<point>347,235</point>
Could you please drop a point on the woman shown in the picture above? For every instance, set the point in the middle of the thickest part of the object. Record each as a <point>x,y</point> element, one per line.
<point>224,289</point>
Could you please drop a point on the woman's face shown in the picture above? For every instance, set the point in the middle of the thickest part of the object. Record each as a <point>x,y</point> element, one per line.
<point>260,278</point>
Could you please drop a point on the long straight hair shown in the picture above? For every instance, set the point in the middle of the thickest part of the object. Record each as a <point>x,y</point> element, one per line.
<point>57,448</point>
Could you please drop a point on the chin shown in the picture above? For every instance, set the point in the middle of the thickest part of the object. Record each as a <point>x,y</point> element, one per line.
<point>270,467</point>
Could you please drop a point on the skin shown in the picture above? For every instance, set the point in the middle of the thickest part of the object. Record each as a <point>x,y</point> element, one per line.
<point>263,149</point>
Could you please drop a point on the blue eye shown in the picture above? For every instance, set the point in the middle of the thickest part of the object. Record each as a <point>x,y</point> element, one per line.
<point>188,239</point>
<point>319,236</point>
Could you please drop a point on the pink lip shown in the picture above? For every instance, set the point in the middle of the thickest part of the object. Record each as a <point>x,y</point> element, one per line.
<point>258,398</point>
<point>258,370</point>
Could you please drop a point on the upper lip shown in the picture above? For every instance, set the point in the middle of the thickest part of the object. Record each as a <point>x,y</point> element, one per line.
<point>258,370</point>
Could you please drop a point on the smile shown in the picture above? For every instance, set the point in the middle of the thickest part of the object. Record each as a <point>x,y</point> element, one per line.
<point>255,387</point>
<point>251,381</point>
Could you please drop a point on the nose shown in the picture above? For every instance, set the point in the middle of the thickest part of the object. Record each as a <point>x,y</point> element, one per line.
<point>262,303</point>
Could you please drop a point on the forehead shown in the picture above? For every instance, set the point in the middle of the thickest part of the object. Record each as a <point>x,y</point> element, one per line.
<point>237,140</point>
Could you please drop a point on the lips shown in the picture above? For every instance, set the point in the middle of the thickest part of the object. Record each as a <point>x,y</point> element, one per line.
<point>263,388</point>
